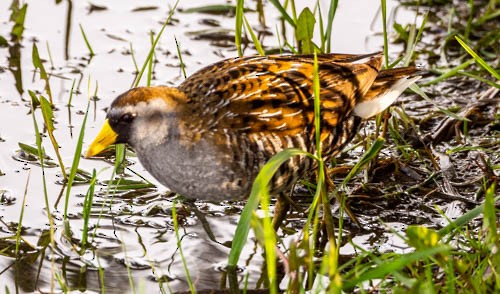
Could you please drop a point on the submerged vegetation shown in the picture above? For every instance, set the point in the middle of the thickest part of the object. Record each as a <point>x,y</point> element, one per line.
<point>410,205</point>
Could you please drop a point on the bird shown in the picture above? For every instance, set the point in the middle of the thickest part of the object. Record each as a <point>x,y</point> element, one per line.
<point>207,138</point>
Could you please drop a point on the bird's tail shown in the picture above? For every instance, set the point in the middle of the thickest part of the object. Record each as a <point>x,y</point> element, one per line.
<point>386,88</point>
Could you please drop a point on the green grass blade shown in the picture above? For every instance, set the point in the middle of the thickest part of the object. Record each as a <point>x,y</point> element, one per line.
<point>369,155</point>
<point>150,63</point>
<point>386,268</point>
<point>490,217</point>
<point>321,25</point>
<point>464,219</point>
<point>478,59</point>
<point>412,40</point>
<point>317,107</point>
<point>283,12</point>
<point>37,63</point>
<point>137,80</point>
<point>481,79</point>
<point>179,53</point>
<point>120,159</point>
<point>48,115</point>
<point>469,20</point>
<point>179,246</point>
<point>269,241</point>
<point>422,94</point>
<point>87,207</point>
<point>384,26</point>
<point>21,215</point>
<point>260,184</point>
<point>87,43</point>
<point>127,266</point>
<point>74,165</point>
<point>329,25</point>
<point>48,118</point>
<point>239,26</point>
<point>41,156</point>
<point>50,55</point>
<point>134,61</point>
<point>255,40</point>
<point>452,72</point>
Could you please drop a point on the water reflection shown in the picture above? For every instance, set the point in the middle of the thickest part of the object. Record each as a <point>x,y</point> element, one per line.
<point>17,17</point>
<point>156,266</point>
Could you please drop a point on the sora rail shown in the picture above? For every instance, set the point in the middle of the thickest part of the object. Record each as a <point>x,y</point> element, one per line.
<point>209,137</point>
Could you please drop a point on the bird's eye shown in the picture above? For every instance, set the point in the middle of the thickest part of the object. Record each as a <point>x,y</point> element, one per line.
<point>127,118</point>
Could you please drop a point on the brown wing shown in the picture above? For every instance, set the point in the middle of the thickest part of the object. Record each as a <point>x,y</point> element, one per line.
<point>386,78</point>
<point>275,93</point>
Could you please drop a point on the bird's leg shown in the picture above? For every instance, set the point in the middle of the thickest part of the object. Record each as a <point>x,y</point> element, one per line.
<point>386,115</point>
<point>280,210</point>
<point>203,220</point>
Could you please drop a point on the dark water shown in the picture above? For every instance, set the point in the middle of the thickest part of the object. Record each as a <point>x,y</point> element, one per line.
<point>133,229</point>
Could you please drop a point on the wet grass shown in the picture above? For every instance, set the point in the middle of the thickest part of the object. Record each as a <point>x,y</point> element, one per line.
<point>37,63</point>
<point>458,257</point>
<point>40,153</point>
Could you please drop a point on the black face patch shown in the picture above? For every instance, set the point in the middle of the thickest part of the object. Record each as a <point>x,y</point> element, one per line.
<point>121,123</point>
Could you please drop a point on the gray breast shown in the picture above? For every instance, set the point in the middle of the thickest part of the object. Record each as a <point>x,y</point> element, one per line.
<point>199,170</point>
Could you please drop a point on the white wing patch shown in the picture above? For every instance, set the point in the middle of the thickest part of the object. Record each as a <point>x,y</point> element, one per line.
<point>367,109</point>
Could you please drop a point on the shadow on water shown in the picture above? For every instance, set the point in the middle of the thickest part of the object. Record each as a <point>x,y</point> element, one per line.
<point>67,31</point>
<point>17,18</point>
<point>15,66</point>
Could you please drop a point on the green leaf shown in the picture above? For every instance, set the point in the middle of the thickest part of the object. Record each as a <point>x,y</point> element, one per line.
<point>37,63</point>
<point>386,268</point>
<point>403,34</point>
<point>32,150</point>
<point>34,99</point>
<point>48,118</point>
<point>305,30</point>
<point>48,115</point>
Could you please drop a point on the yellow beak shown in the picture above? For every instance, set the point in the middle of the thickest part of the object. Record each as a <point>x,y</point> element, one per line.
<point>105,138</point>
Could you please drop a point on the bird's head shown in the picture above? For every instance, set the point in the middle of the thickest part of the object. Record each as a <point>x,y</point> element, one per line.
<point>138,115</point>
